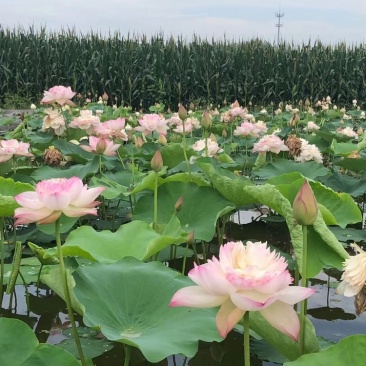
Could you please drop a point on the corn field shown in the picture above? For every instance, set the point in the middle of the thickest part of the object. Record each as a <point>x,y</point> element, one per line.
<point>141,71</point>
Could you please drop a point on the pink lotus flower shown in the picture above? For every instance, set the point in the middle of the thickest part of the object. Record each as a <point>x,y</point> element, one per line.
<point>112,128</point>
<point>10,148</point>
<point>56,196</point>
<point>58,94</point>
<point>102,146</point>
<point>245,278</point>
<point>270,143</point>
<point>55,121</point>
<point>86,121</point>
<point>245,129</point>
<point>212,147</point>
<point>152,122</point>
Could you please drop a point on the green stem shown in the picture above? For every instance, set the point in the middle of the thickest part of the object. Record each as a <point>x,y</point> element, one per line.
<point>67,294</point>
<point>127,355</point>
<point>304,282</point>
<point>185,152</point>
<point>185,259</point>
<point>100,163</point>
<point>246,340</point>
<point>155,223</point>
<point>2,255</point>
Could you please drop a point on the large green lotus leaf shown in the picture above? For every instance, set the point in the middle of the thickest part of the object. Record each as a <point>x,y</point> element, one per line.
<point>78,170</point>
<point>310,169</point>
<point>327,248</point>
<point>336,208</point>
<point>134,239</point>
<point>347,184</point>
<point>227,183</point>
<point>349,234</point>
<point>148,182</point>
<point>280,341</point>
<point>356,165</point>
<point>348,351</point>
<point>173,154</point>
<point>129,302</point>
<point>343,148</point>
<point>20,347</point>
<point>113,189</point>
<point>73,150</point>
<point>186,178</point>
<point>202,206</point>
<point>9,189</point>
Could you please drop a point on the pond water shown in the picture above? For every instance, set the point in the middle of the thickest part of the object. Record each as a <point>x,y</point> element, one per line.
<point>333,315</point>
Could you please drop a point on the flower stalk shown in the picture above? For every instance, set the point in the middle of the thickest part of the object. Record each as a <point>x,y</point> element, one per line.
<point>67,293</point>
<point>246,339</point>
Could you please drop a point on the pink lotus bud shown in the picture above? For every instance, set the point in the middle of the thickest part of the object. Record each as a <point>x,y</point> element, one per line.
<point>305,207</point>
<point>182,112</point>
<point>101,146</point>
<point>162,139</point>
<point>206,120</point>
<point>157,161</point>
<point>360,131</point>
<point>105,97</point>
<point>179,204</point>
<point>213,137</point>
<point>139,142</point>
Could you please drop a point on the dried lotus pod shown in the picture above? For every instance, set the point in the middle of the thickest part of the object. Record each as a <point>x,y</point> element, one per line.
<point>360,301</point>
<point>294,145</point>
<point>52,156</point>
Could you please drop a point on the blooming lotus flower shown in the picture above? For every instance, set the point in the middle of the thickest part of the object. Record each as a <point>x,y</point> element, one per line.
<point>152,122</point>
<point>347,131</point>
<point>354,275</point>
<point>56,196</point>
<point>113,127</point>
<point>244,130</point>
<point>311,126</point>
<point>309,152</point>
<point>245,278</point>
<point>55,121</point>
<point>212,147</point>
<point>10,148</point>
<point>270,143</point>
<point>305,207</point>
<point>86,121</point>
<point>58,94</point>
<point>102,146</point>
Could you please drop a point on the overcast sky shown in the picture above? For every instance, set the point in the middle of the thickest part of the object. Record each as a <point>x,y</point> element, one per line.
<point>330,21</point>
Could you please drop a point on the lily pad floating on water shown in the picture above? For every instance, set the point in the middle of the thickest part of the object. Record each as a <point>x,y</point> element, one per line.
<point>129,302</point>
<point>20,347</point>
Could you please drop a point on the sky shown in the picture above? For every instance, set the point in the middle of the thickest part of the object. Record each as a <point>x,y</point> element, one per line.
<point>329,21</point>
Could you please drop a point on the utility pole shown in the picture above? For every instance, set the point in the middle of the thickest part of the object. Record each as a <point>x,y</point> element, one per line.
<point>279,25</point>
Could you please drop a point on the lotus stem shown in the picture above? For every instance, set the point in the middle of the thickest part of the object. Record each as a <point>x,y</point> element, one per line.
<point>304,281</point>
<point>127,355</point>
<point>2,251</point>
<point>246,339</point>
<point>67,294</point>
<point>155,223</point>
<point>185,152</point>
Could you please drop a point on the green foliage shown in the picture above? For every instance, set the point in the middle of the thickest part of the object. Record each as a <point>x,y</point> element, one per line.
<point>20,347</point>
<point>138,70</point>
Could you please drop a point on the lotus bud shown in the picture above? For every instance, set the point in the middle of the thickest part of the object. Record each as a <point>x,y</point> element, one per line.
<point>235,104</point>
<point>157,161</point>
<point>307,102</point>
<point>190,238</point>
<point>168,111</point>
<point>105,97</point>
<point>206,120</point>
<point>224,134</point>
<point>294,120</point>
<point>162,139</point>
<point>213,137</point>
<point>360,131</point>
<point>191,106</point>
<point>33,107</point>
<point>139,142</point>
<point>179,204</point>
<point>101,146</point>
<point>305,207</point>
<point>182,112</point>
